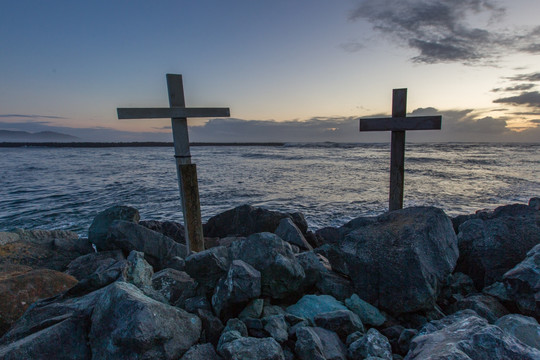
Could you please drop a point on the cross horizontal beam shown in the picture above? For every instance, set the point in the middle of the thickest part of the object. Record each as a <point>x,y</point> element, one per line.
<point>401,123</point>
<point>172,112</point>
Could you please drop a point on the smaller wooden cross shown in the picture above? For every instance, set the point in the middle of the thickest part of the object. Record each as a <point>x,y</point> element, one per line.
<point>398,124</point>
<point>186,171</point>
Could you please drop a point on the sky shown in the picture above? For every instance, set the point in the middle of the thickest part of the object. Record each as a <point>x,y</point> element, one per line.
<point>289,70</point>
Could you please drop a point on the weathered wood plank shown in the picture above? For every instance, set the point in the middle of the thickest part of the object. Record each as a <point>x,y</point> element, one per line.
<point>401,123</point>
<point>397,170</point>
<point>192,207</point>
<point>172,112</point>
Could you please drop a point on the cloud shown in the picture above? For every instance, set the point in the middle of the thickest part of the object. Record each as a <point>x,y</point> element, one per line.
<point>438,29</point>
<point>25,116</point>
<point>532,77</point>
<point>531,99</point>
<point>520,87</point>
<point>352,46</point>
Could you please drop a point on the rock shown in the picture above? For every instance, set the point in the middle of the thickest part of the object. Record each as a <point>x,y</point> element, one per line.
<point>313,268</point>
<point>227,337</point>
<point>253,310</point>
<point>484,305</point>
<point>211,325</point>
<point>318,344</point>
<point>524,328</point>
<point>535,203</point>
<point>242,284</point>
<point>107,271</point>
<point>236,325</point>
<point>299,221</point>
<point>465,335</point>
<point>392,333</point>
<point>372,344</point>
<point>276,327</point>
<point>456,287</point>
<point>84,266</point>
<point>332,283</point>
<point>208,266</point>
<point>138,272</point>
<point>290,233</point>
<point>176,286</point>
<point>9,270</point>
<point>523,285</point>
<point>192,304</point>
<point>201,352</point>
<point>128,236</point>
<point>493,243</point>
<point>170,229</point>
<point>367,313</point>
<point>310,306</point>
<point>246,220</point>
<point>342,322</point>
<point>353,337</point>
<point>399,262</point>
<point>328,235</point>
<point>281,274</point>
<point>127,324</point>
<point>43,249</point>
<point>255,328</point>
<point>8,238</point>
<point>335,257</point>
<point>404,341</point>
<point>248,348</point>
<point>271,310</point>
<point>176,263</point>
<point>19,291</point>
<point>99,229</point>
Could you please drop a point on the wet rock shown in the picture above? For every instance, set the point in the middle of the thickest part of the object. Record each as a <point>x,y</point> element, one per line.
<point>19,291</point>
<point>368,314</point>
<point>522,283</point>
<point>494,242</point>
<point>128,236</point>
<point>399,262</point>
<point>281,274</point>
<point>484,305</point>
<point>372,344</point>
<point>342,322</point>
<point>290,233</point>
<point>248,348</point>
<point>242,284</point>
<point>524,328</point>
<point>176,286</point>
<point>465,335</point>
<point>170,229</point>
<point>245,220</point>
<point>201,352</point>
<point>319,344</point>
<point>99,229</point>
<point>310,306</point>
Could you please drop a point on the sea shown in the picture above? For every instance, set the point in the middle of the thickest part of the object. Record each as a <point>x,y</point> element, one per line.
<point>330,183</point>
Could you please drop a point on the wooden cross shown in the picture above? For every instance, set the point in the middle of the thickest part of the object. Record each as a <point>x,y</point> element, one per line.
<point>186,171</point>
<point>398,124</point>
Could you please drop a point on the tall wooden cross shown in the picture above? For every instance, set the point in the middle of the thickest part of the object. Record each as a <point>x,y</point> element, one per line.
<point>186,171</point>
<point>398,124</point>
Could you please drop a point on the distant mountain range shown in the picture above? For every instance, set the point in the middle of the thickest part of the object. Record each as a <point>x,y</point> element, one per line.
<point>24,136</point>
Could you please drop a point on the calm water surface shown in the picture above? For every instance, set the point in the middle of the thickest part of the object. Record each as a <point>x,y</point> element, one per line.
<point>64,188</point>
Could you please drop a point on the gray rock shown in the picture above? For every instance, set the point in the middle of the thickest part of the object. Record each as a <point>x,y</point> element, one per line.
<point>493,243</point>
<point>281,274</point>
<point>170,229</point>
<point>535,203</point>
<point>404,341</point>
<point>246,220</point>
<point>392,333</point>
<point>400,262</point>
<point>465,335</point>
<point>192,304</point>
<point>201,352</point>
<point>84,266</point>
<point>99,229</point>
<point>255,328</point>
<point>334,284</point>
<point>313,267</point>
<point>138,272</point>
<point>498,291</point>
<point>106,273</point>
<point>249,348</point>
<point>276,327</point>
<point>290,233</point>
<point>484,305</point>
<point>227,337</point>
<point>271,310</point>
<point>128,236</point>
<point>126,323</point>
<point>319,343</point>
<point>342,322</point>
<point>372,344</point>
<point>328,235</point>
<point>208,266</point>
<point>236,325</point>
<point>368,313</point>
<point>310,306</point>
<point>253,310</point>
<point>524,328</point>
<point>335,257</point>
<point>212,327</point>
<point>176,263</point>
<point>242,284</point>
<point>176,286</point>
<point>456,287</point>
<point>353,337</point>
<point>523,285</point>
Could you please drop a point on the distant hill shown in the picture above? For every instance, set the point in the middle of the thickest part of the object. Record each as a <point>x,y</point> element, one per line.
<point>47,136</point>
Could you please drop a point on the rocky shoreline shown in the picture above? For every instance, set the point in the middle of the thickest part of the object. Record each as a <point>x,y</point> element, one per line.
<point>408,284</point>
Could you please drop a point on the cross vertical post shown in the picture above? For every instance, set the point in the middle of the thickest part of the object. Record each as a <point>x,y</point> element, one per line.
<point>398,124</point>
<point>186,171</point>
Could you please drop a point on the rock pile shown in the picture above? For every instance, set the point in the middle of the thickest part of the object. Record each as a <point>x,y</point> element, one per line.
<point>409,284</point>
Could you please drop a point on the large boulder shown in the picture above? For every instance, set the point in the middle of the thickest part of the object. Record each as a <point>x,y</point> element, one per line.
<point>246,220</point>
<point>465,336</point>
<point>524,328</point>
<point>170,229</point>
<point>19,291</point>
<point>491,243</point>
<point>42,249</point>
<point>208,266</point>
<point>83,266</point>
<point>484,305</point>
<point>281,274</point>
<point>523,283</point>
<point>127,236</point>
<point>290,233</point>
<point>399,261</point>
<point>99,229</point>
